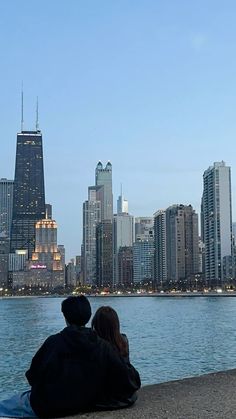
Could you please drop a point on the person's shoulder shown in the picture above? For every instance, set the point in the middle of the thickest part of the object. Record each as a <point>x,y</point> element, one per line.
<point>53,339</point>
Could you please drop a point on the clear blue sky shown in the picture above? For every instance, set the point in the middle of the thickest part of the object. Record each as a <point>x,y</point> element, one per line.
<point>149,85</point>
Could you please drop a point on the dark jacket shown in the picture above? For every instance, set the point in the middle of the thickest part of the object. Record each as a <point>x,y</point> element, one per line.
<point>75,371</point>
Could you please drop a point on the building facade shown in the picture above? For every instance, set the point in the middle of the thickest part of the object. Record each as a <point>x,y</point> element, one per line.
<point>143,254</point>
<point>104,254</point>
<point>28,191</point>
<point>103,180</point>
<point>6,202</point>
<point>123,235</point>
<point>176,244</point>
<point>91,218</point>
<point>216,221</point>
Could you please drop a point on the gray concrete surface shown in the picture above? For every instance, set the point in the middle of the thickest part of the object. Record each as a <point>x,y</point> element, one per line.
<point>208,396</point>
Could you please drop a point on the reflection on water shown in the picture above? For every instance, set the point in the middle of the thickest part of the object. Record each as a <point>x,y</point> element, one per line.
<point>169,338</point>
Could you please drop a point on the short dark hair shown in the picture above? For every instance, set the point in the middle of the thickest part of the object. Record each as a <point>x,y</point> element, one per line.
<point>76,310</point>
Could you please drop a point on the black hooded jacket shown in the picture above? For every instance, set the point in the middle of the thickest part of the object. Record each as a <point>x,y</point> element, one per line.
<point>75,371</point>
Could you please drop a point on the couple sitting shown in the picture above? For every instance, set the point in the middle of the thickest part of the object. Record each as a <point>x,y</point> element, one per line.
<point>78,369</point>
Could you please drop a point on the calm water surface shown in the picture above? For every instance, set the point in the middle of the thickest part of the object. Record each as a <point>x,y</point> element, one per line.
<point>169,338</point>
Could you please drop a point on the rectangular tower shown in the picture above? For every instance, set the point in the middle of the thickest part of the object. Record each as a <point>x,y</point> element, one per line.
<point>216,220</point>
<point>6,199</point>
<point>28,192</point>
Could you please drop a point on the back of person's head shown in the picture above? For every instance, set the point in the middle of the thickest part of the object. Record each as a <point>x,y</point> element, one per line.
<point>107,325</point>
<point>76,310</point>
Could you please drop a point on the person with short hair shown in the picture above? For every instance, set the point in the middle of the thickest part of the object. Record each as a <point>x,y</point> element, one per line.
<point>74,370</point>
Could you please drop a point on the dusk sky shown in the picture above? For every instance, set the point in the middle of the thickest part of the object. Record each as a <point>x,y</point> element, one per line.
<point>149,85</point>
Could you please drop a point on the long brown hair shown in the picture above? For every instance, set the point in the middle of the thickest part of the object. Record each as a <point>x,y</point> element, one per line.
<point>106,323</point>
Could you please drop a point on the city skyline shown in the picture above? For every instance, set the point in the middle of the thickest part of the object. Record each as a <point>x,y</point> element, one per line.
<point>150,88</point>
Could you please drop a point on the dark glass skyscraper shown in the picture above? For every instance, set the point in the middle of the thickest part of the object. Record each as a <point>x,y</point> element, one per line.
<point>28,193</point>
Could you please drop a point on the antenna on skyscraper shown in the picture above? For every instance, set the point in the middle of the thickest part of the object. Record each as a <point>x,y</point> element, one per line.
<point>22,107</point>
<point>121,189</point>
<point>37,114</point>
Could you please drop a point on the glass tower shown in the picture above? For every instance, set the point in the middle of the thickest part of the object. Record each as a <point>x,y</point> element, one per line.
<point>28,192</point>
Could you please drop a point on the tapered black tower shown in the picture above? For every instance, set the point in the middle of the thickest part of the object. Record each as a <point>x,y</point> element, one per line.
<point>28,193</point>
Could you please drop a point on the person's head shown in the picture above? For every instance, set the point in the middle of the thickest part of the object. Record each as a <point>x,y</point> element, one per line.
<point>76,310</point>
<point>106,323</point>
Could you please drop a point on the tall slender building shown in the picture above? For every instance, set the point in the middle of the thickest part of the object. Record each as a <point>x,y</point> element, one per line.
<point>6,198</point>
<point>216,221</point>
<point>91,218</point>
<point>103,179</point>
<point>28,192</point>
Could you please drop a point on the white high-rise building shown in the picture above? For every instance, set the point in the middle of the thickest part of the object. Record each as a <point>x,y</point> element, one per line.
<point>122,205</point>
<point>6,200</point>
<point>216,220</point>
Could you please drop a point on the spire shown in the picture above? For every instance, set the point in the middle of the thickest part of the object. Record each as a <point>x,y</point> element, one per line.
<point>37,115</point>
<point>22,107</point>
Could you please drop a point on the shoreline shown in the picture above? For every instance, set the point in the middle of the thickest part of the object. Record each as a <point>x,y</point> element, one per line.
<point>212,294</point>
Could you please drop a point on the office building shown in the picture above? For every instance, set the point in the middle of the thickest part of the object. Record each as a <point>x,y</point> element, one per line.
<point>143,254</point>
<point>4,255</point>
<point>216,221</point>
<point>6,200</point>
<point>28,191</point>
<point>48,211</point>
<point>103,180</point>
<point>122,205</point>
<point>125,266</point>
<point>91,218</point>
<point>98,208</point>
<point>104,254</point>
<point>46,267</point>
<point>123,235</point>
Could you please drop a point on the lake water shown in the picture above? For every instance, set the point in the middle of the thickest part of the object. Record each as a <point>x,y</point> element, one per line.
<point>169,338</point>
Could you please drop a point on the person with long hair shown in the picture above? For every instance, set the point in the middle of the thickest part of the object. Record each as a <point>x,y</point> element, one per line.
<point>107,325</point>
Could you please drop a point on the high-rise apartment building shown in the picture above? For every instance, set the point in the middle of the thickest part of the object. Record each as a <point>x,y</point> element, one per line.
<point>143,252</point>
<point>143,227</point>
<point>91,218</point>
<point>28,191</point>
<point>176,244</point>
<point>160,253</point>
<point>6,200</point>
<point>216,221</point>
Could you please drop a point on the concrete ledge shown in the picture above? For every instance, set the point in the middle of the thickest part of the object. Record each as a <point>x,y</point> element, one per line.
<point>208,396</point>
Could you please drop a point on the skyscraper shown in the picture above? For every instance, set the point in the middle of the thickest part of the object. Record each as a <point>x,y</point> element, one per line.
<point>104,254</point>
<point>216,220</point>
<point>123,235</point>
<point>122,205</point>
<point>103,179</point>
<point>160,253</point>
<point>91,218</point>
<point>6,199</point>
<point>28,192</point>
<point>176,244</point>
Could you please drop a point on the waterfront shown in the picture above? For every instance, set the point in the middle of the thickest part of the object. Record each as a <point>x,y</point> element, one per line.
<point>169,338</point>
